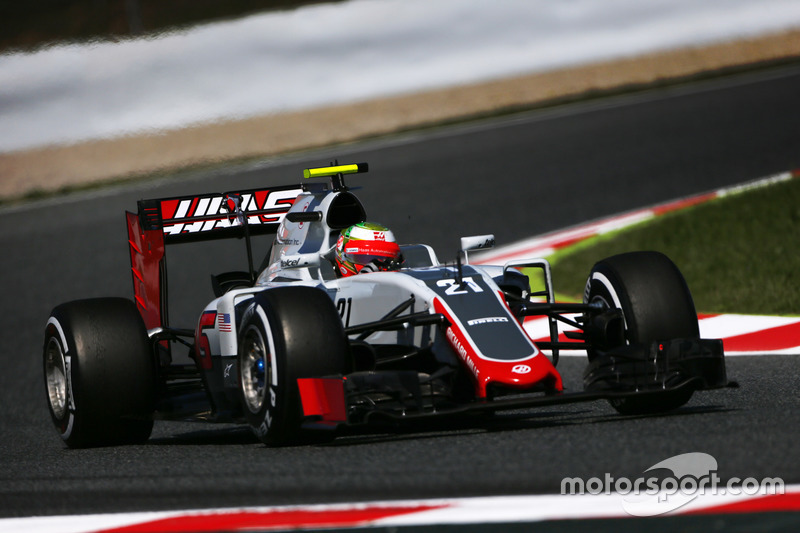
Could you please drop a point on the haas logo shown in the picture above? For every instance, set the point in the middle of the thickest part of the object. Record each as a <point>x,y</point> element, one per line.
<point>521,369</point>
<point>378,236</point>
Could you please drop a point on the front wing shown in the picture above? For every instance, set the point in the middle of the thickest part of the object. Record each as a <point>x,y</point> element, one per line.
<point>646,372</point>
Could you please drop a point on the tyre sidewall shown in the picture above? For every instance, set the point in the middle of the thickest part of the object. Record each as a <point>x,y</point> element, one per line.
<point>303,331</point>
<point>64,422</point>
<point>110,373</point>
<point>272,423</point>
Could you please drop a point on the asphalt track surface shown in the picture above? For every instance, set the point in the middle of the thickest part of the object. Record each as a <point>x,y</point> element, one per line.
<point>515,176</point>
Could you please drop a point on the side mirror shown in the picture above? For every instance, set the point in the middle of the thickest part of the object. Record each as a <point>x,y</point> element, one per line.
<point>476,242</point>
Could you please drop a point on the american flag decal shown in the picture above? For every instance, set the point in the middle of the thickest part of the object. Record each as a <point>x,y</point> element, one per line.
<point>224,322</point>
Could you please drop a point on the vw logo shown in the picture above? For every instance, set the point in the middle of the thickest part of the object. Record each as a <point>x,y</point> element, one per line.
<point>521,369</point>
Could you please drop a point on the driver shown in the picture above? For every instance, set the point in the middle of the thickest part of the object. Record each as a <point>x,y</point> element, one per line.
<point>366,247</point>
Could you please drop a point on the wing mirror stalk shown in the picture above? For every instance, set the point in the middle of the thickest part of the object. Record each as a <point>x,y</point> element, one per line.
<point>468,244</point>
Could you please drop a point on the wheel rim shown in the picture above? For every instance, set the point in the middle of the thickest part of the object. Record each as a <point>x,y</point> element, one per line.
<point>255,369</point>
<point>55,370</point>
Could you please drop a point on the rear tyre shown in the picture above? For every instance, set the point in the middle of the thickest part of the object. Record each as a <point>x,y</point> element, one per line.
<point>286,334</point>
<point>656,305</point>
<point>99,373</point>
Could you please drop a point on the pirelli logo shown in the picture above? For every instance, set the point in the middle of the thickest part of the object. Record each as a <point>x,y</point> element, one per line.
<point>207,213</point>
<point>487,320</point>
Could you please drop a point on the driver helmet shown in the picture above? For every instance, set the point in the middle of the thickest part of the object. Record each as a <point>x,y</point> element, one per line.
<point>363,244</point>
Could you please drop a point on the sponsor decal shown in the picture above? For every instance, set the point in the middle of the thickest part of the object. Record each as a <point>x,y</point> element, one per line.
<point>378,236</point>
<point>289,242</point>
<point>224,322</point>
<point>521,369</point>
<point>263,428</point>
<point>207,208</point>
<point>289,263</point>
<point>68,371</point>
<point>487,320</point>
<point>227,372</point>
<point>462,351</point>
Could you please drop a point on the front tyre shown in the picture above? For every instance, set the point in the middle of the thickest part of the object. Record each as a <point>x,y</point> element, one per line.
<point>287,333</point>
<point>99,373</point>
<point>656,305</point>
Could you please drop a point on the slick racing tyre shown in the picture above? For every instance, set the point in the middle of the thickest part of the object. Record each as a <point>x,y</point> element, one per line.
<point>287,333</point>
<point>656,305</point>
<point>99,373</point>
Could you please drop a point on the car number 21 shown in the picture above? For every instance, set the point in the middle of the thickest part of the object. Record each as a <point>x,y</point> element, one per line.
<point>453,288</point>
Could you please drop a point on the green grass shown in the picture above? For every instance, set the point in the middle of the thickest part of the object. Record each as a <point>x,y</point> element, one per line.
<point>739,253</point>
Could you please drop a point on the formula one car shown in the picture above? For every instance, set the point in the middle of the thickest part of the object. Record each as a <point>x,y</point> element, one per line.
<point>299,349</point>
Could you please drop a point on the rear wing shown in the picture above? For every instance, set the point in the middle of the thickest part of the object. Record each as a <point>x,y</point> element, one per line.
<point>207,216</point>
<point>166,221</point>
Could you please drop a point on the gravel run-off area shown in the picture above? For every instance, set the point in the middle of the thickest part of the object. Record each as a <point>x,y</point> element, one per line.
<point>54,168</point>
